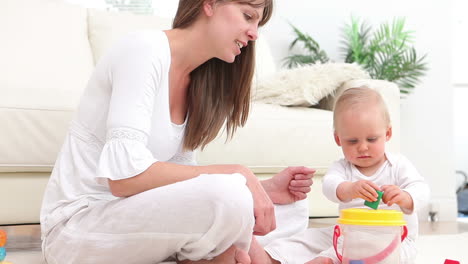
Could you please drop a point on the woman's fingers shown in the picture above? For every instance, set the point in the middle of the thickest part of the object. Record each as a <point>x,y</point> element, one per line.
<point>301,183</point>
<point>299,195</point>
<point>265,220</point>
<point>301,170</point>
<point>301,176</point>
<point>300,186</point>
<point>300,189</point>
<point>264,225</point>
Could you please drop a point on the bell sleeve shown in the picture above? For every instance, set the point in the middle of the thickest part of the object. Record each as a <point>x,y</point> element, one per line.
<point>134,73</point>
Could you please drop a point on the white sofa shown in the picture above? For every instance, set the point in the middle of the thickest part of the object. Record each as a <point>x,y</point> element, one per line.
<point>48,52</point>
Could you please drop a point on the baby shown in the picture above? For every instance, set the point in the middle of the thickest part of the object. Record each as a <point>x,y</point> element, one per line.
<point>361,128</point>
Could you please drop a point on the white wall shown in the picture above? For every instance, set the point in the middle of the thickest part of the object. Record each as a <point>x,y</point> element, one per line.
<point>460,80</point>
<point>460,106</point>
<point>426,115</point>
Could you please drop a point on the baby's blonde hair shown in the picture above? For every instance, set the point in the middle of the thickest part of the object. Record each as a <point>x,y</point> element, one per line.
<point>361,96</point>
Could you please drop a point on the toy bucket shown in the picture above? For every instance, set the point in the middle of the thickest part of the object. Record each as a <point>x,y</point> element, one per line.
<point>370,236</point>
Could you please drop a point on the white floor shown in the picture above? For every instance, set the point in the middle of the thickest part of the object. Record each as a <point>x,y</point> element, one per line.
<point>433,249</point>
<point>436,248</point>
<point>437,243</point>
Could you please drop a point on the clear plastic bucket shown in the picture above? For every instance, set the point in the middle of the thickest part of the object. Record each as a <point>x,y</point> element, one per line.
<point>370,236</point>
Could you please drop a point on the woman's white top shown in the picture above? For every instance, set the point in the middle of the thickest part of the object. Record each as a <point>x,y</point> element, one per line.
<point>397,170</point>
<point>122,126</point>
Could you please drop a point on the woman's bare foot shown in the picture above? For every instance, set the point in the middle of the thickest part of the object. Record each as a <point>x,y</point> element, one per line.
<point>258,255</point>
<point>232,255</point>
<point>242,257</point>
<point>320,260</point>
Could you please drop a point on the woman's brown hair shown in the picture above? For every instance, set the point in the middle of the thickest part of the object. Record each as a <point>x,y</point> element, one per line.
<point>219,92</point>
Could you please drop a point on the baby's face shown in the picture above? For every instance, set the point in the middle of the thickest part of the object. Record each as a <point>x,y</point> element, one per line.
<point>362,134</point>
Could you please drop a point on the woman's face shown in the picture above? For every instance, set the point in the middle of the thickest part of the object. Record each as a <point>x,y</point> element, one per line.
<point>233,25</point>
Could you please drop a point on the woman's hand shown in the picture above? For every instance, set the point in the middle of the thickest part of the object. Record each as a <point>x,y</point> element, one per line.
<point>264,210</point>
<point>290,185</point>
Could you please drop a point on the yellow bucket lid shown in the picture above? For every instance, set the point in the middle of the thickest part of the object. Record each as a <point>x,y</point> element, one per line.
<point>368,217</point>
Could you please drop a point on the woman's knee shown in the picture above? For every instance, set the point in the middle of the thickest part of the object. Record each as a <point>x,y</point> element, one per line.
<point>230,194</point>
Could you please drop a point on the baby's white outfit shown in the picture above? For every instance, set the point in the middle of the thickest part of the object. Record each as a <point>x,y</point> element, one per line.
<point>314,242</point>
<point>123,126</point>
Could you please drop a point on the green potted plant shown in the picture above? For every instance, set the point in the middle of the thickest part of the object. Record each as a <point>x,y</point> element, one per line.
<point>385,53</point>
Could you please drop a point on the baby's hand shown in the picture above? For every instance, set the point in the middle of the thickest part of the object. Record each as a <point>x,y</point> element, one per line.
<point>394,195</point>
<point>366,190</point>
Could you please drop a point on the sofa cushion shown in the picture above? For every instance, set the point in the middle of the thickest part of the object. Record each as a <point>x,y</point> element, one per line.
<point>45,63</point>
<point>21,197</point>
<point>265,66</point>
<point>107,27</point>
<point>45,54</point>
<point>275,137</point>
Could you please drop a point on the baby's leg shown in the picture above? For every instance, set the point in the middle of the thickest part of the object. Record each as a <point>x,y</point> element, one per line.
<point>232,255</point>
<point>408,251</point>
<point>258,255</point>
<point>302,247</point>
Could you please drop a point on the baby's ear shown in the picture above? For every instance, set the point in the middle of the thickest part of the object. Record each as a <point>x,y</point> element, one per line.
<point>388,134</point>
<point>337,139</point>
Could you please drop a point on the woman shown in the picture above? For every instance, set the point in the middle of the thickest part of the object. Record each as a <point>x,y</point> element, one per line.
<point>125,188</point>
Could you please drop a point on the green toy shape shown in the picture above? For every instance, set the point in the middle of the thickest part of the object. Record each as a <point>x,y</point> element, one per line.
<point>375,205</point>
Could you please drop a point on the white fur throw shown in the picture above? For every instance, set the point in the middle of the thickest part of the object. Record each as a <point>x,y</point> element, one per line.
<point>306,85</point>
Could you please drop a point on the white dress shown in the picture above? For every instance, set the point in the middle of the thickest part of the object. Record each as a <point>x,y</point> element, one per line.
<point>123,126</point>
